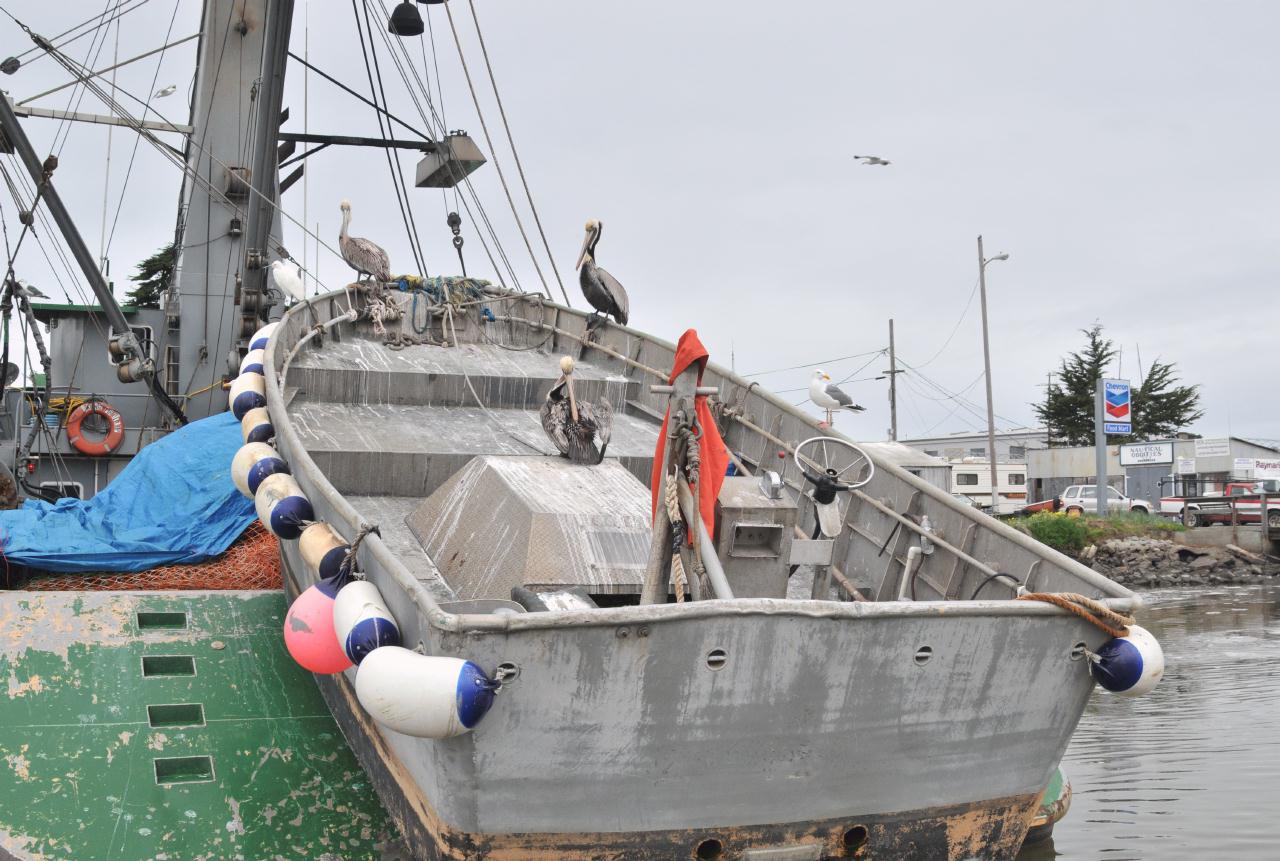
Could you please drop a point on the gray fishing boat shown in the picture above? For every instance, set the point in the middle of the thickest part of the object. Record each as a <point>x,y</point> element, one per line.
<point>903,705</point>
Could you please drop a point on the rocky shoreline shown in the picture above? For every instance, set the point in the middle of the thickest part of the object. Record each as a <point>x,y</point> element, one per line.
<point>1150,563</point>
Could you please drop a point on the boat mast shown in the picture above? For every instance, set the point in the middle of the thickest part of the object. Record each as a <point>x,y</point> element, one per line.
<point>218,297</point>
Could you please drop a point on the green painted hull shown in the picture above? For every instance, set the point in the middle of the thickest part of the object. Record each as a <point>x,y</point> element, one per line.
<point>258,771</point>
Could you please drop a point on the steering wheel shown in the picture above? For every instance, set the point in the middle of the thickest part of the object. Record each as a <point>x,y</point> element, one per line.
<point>819,467</point>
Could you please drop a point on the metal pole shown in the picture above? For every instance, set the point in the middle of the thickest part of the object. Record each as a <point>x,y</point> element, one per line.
<point>986,358</point>
<point>1100,449</point>
<point>893,387</point>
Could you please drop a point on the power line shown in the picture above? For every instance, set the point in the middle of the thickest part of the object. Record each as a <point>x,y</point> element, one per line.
<point>956,328</point>
<point>879,352</point>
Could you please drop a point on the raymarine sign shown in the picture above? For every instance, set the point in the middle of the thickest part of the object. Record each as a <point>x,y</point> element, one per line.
<point>1118,412</point>
<point>1138,454</point>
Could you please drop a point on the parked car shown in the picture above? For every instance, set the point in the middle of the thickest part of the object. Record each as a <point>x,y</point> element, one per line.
<point>1245,497</point>
<point>1081,498</point>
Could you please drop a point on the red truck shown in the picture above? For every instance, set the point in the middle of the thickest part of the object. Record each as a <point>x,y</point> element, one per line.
<point>1244,496</point>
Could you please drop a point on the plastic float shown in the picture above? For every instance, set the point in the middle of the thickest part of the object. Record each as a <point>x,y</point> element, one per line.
<point>256,426</point>
<point>254,462</point>
<point>1129,666</point>
<point>362,621</point>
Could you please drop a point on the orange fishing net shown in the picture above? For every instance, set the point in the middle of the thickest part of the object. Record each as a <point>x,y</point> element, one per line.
<point>252,562</point>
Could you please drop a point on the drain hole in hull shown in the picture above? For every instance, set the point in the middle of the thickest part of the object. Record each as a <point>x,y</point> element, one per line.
<point>709,850</point>
<point>855,838</point>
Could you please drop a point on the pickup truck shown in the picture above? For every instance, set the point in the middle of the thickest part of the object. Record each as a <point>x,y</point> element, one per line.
<point>1079,498</point>
<point>1211,508</point>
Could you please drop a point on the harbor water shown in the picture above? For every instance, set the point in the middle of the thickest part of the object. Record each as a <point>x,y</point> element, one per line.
<point>1187,771</point>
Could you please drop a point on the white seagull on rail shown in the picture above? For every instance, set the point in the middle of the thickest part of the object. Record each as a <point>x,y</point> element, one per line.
<point>873,160</point>
<point>828,395</point>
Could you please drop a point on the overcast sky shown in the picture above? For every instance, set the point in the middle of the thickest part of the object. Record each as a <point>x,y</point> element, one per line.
<point>1124,154</point>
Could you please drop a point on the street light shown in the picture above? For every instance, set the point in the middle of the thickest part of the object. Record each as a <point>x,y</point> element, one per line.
<point>986,358</point>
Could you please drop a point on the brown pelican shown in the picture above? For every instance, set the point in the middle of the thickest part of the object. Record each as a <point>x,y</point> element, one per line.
<point>602,290</point>
<point>361,254</point>
<point>575,428</point>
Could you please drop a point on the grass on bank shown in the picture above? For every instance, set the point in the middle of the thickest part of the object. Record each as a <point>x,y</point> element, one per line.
<point>1071,534</point>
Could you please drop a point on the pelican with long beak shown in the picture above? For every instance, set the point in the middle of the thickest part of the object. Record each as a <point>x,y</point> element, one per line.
<point>580,431</point>
<point>602,290</point>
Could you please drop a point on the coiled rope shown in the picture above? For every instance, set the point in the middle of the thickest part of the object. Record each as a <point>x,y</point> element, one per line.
<point>1092,611</point>
<point>679,534</point>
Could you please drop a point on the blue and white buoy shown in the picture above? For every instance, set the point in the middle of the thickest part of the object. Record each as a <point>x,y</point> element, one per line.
<point>248,392</point>
<point>282,507</point>
<point>256,426</point>
<point>324,551</point>
<point>252,362</point>
<point>1129,666</point>
<point>254,462</point>
<point>425,696</point>
<point>362,621</point>
<point>260,337</point>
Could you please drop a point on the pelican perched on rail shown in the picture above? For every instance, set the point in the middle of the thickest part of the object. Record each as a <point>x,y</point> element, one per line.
<point>580,431</point>
<point>602,290</point>
<point>362,255</point>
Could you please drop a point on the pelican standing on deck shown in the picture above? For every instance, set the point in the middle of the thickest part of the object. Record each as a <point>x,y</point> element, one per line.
<point>829,396</point>
<point>362,255</point>
<point>602,290</point>
<point>580,431</point>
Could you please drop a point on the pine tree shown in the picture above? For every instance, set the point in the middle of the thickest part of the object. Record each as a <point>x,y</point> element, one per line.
<point>152,277</point>
<point>1160,407</point>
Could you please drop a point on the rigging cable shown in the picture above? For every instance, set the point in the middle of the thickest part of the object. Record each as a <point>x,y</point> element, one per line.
<point>515,155</point>
<point>497,166</point>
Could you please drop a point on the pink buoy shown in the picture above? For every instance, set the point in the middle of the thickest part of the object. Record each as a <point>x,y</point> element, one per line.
<point>309,633</point>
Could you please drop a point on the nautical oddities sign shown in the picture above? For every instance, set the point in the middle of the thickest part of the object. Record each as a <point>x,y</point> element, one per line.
<point>1137,454</point>
<point>1118,407</point>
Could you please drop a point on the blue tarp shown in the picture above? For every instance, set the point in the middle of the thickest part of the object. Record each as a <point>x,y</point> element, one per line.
<point>173,503</point>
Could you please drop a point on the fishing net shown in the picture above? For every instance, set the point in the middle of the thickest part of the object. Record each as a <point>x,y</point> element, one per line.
<point>252,562</point>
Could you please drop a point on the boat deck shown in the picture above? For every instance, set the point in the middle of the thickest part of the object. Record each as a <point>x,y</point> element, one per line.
<point>187,733</point>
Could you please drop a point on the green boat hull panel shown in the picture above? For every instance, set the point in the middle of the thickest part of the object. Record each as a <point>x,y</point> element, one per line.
<point>192,735</point>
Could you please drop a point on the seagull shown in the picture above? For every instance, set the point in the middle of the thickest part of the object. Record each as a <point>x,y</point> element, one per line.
<point>288,280</point>
<point>873,160</point>
<point>167,91</point>
<point>33,292</point>
<point>362,255</point>
<point>575,428</point>
<point>602,290</point>
<point>829,396</point>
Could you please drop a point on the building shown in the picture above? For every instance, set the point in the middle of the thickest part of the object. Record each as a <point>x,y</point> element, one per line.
<point>1011,445</point>
<point>1150,470</point>
<point>933,470</point>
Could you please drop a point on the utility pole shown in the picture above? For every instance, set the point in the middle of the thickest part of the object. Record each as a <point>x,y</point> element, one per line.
<point>893,387</point>
<point>986,358</point>
<point>1101,494</point>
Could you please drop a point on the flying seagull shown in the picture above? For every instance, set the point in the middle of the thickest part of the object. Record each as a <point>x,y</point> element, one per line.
<point>362,255</point>
<point>287,280</point>
<point>167,91</point>
<point>873,160</point>
<point>829,396</point>
<point>602,290</point>
<point>580,430</point>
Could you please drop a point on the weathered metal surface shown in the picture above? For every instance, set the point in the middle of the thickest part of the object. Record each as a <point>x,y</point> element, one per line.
<point>79,747</point>
<point>772,720</point>
<point>537,522</point>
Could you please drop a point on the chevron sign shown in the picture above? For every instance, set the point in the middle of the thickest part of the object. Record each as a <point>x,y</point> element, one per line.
<point>1118,407</point>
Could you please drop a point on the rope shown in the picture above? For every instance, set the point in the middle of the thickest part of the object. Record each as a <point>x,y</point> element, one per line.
<point>514,154</point>
<point>348,565</point>
<point>489,142</point>
<point>1094,612</point>
<point>679,534</point>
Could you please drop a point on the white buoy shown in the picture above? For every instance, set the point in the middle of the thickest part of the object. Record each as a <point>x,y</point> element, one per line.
<point>260,337</point>
<point>1129,666</point>
<point>256,426</point>
<point>252,362</point>
<point>282,507</point>
<point>248,392</point>
<point>254,462</point>
<point>362,621</point>
<point>425,696</point>
<point>323,550</point>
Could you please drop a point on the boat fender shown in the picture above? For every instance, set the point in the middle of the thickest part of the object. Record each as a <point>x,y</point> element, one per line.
<point>282,507</point>
<point>252,362</point>
<point>425,696</point>
<point>324,551</point>
<point>254,462</point>
<point>308,630</point>
<point>248,391</point>
<point>260,337</point>
<point>115,428</point>
<point>1130,666</point>
<point>362,621</point>
<point>256,426</point>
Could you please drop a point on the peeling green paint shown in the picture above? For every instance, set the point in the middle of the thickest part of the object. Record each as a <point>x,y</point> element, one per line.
<point>77,751</point>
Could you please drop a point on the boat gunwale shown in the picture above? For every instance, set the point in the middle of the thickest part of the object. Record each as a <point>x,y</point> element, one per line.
<point>306,471</point>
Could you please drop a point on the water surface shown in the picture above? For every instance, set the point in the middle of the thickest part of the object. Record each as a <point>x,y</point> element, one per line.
<point>1189,771</point>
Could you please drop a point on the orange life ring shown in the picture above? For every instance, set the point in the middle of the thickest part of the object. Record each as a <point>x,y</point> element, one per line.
<point>115,433</point>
